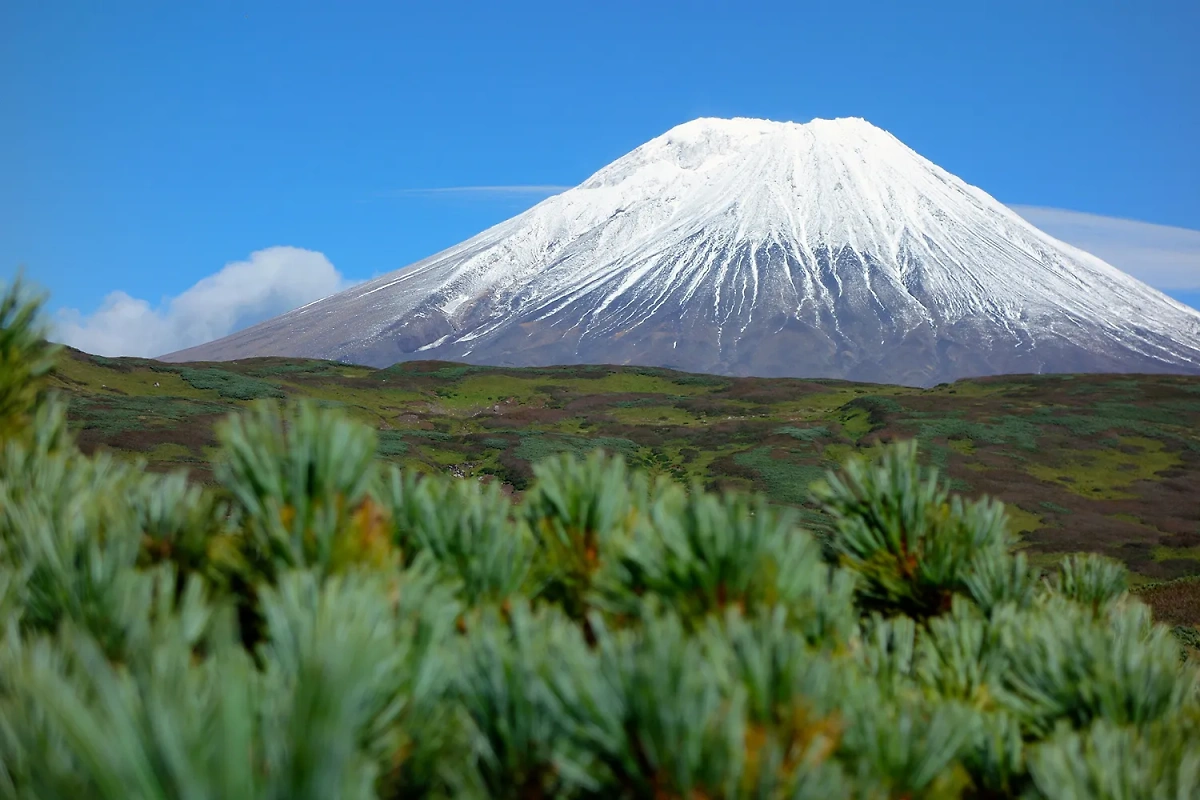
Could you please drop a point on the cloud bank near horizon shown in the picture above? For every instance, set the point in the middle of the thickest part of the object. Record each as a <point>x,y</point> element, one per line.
<point>270,282</point>
<point>275,280</point>
<point>1162,256</point>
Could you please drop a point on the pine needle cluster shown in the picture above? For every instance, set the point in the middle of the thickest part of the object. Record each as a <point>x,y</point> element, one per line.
<point>322,625</point>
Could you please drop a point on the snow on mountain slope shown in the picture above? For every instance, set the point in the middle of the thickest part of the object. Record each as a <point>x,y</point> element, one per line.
<point>826,249</point>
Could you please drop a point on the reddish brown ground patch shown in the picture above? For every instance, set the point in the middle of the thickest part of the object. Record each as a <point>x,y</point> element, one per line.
<point>1175,602</point>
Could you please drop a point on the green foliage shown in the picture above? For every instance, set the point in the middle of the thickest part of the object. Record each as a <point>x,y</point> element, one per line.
<point>226,384</point>
<point>517,724</point>
<point>300,479</point>
<point>582,515</point>
<point>1007,430</point>
<point>804,434</point>
<point>1189,640</point>
<point>912,544</point>
<point>700,380</point>
<point>66,528</point>
<point>116,414</point>
<point>320,625</point>
<point>1111,762</point>
<point>392,444</point>
<point>1075,444</point>
<point>535,447</point>
<point>25,356</point>
<point>467,529</point>
<point>180,522</point>
<point>1074,666</point>
<point>701,554</point>
<point>996,580</point>
<point>1090,579</point>
<point>785,479</point>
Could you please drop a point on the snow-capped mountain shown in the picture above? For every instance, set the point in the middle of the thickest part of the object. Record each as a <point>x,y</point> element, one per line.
<point>749,247</point>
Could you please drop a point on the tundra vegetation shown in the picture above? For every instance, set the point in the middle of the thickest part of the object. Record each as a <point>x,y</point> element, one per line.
<point>315,621</point>
<point>1099,463</point>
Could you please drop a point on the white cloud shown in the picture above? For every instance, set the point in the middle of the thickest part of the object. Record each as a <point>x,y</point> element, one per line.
<point>268,283</point>
<point>1164,257</point>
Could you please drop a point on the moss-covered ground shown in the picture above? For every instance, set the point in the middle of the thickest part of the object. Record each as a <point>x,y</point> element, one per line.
<point>1102,463</point>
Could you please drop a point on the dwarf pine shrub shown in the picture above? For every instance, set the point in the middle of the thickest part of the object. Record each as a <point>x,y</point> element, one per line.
<point>319,625</point>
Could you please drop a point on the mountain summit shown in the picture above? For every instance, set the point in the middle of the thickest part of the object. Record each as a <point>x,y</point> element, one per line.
<point>749,247</point>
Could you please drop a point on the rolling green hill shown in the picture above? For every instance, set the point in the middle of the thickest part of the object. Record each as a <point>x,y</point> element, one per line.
<point>1102,463</point>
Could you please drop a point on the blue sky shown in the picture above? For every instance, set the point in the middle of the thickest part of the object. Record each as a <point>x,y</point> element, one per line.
<point>147,145</point>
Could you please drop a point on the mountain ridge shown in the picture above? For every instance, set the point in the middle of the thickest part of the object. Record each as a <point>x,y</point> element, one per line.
<point>751,247</point>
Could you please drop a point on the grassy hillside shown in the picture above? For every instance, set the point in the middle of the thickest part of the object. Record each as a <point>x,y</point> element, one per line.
<point>1102,463</point>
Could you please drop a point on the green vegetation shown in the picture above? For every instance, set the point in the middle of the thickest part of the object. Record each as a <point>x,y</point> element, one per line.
<point>229,385</point>
<point>1107,472</point>
<point>783,478</point>
<point>1022,521</point>
<point>535,447</point>
<point>1108,464</point>
<point>316,622</point>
